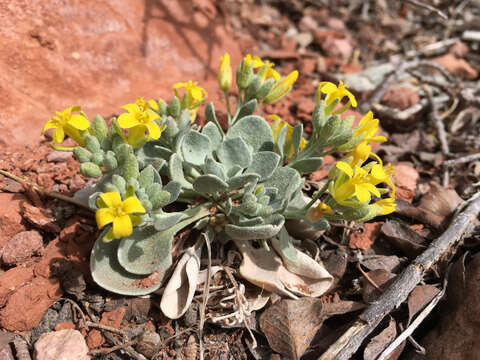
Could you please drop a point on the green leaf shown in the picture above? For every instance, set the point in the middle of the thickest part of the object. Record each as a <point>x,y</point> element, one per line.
<point>209,184</point>
<point>195,147</point>
<point>214,168</point>
<point>255,131</point>
<point>82,154</point>
<point>129,169</point>
<point>247,109</point>
<point>286,180</point>
<point>286,247</point>
<point>211,117</point>
<point>164,221</point>
<point>99,128</point>
<point>255,232</point>
<point>145,178</point>
<point>318,116</point>
<point>158,197</point>
<point>89,169</point>
<point>93,144</point>
<point>240,181</point>
<point>307,166</point>
<point>184,120</point>
<point>148,250</point>
<point>234,171</point>
<point>110,161</point>
<point>173,187</point>
<point>264,164</point>
<point>92,200</point>
<point>234,151</point>
<point>282,136</point>
<point>297,138</point>
<point>109,274</point>
<point>176,171</point>
<point>211,131</point>
<point>174,107</point>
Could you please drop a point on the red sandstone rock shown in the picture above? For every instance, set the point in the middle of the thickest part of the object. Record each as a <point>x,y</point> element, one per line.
<point>10,218</point>
<point>459,49</point>
<point>113,318</point>
<point>12,279</point>
<point>26,307</point>
<point>101,55</point>
<point>400,97</point>
<point>64,325</point>
<point>94,339</point>
<point>21,247</point>
<point>405,179</point>
<point>458,67</point>
<point>38,218</point>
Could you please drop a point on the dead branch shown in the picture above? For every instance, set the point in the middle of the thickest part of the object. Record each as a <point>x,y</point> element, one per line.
<point>399,290</point>
<point>428,7</point>
<point>462,160</point>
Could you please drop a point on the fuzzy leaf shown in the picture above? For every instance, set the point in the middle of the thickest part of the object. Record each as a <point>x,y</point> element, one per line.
<point>307,166</point>
<point>110,161</point>
<point>93,144</point>
<point>89,169</point>
<point>247,109</point>
<point>158,197</point>
<point>176,171</point>
<point>286,180</point>
<point>211,131</point>
<point>255,131</point>
<point>129,168</point>
<point>173,187</point>
<point>264,164</point>
<point>164,221</point>
<point>256,232</point>
<point>234,151</point>
<point>99,128</point>
<point>209,184</point>
<point>184,120</point>
<point>210,115</point>
<point>82,154</point>
<point>145,178</point>
<point>214,168</point>
<point>285,247</point>
<point>240,181</point>
<point>297,137</point>
<point>195,147</point>
<point>282,136</point>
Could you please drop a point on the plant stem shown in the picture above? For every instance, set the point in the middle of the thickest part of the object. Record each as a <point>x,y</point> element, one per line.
<point>229,113</point>
<point>317,195</point>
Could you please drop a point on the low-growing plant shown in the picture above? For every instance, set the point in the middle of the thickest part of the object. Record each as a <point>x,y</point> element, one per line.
<point>242,181</point>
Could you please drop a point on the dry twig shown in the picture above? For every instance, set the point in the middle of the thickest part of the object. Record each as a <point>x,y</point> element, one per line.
<point>399,290</point>
<point>428,7</point>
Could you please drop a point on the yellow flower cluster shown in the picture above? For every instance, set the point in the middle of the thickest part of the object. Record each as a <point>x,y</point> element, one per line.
<point>66,123</point>
<point>193,97</point>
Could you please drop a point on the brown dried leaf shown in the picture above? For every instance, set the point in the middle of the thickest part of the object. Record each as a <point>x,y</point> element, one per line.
<point>404,238</point>
<point>420,297</point>
<point>290,325</point>
<point>424,216</point>
<point>389,263</point>
<point>381,278</point>
<point>381,341</point>
<point>440,200</point>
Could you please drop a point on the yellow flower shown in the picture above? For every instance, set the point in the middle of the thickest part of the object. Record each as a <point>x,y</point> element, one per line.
<point>268,72</point>
<point>334,92</point>
<point>368,127</point>
<point>225,73</point>
<point>360,153</point>
<point>145,105</point>
<point>357,182</point>
<point>257,62</point>
<point>279,124</point>
<point>193,98</point>
<point>384,206</point>
<point>140,117</point>
<point>317,212</point>
<point>67,123</point>
<point>120,213</point>
<point>281,88</point>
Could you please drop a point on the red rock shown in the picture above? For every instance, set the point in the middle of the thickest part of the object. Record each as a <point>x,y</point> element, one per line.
<point>64,344</point>
<point>305,108</point>
<point>102,56</point>
<point>21,247</point>
<point>365,239</point>
<point>351,67</point>
<point>340,49</point>
<point>64,325</point>
<point>113,318</point>
<point>459,49</point>
<point>308,23</point>
<point>308,65</point>
<point>10,218</point>
<point>322,173</point>
<point>95,339</point>
<point>38,218</point>
<point>59,156</point>
<point>12,279</point>
<point>405,179</point>
<point>400,97</point>
<point>335,24</point>
<point>458,67</point>
<point>27,305</point>
<point>6,353</point>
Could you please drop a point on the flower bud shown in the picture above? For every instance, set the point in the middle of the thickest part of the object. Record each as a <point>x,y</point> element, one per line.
<point>225,73</point>
<point>281,88</point>
<point>90,169</point>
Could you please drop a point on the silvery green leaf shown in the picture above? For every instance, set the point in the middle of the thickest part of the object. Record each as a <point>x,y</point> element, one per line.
<point>184,120</point>
<point>270,191</point>
<point>92,144</point>
<point>172,128</point>
<point>240,181</point>
<point>145,177</point>
<point>82,154</point>
<point>297,137</point>
<point>119,182</point>
<point>265,88</point>
<point>173,187</point>
<point>211,131</point>
<point>214,168</point>
<point>263,164</point>
<point>245,221</point>
<point>286,180</point>
<point>307,166</point>
<point>342,138</point>
<point>109,187</point>
<point>176,171</point>
<point>282,135</point>
<point>211,117</point>
<point>265,231</point>
<point>234,171</point>
<point>321,224</point>
<point>97,158</point>
<point>202,223</point>
<point>228,206</point>
<point>195,147</point>
<point>253,87</point>
<point>158,198</point>
<point>164,221</point>
<point>333,123</point>
<point>110,161</point>
<point>286,247</point>
<point>318,116</point>
<point>209,184</point>
<point>129,169</point>
<point>92,200</point>
<point>148,250</point>
<point>247,109</point>
<point>89,169</point>
<point>264,200</point>
<point>174,107</point>
<point>123,151</point>
<point>234,151</point>
<point>255,131</point>
<point>109,274</point>
<point>99,128</point>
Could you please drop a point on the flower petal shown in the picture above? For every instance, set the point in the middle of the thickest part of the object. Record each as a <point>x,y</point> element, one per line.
<point>341,165</point>
<point>79,122</point>
<point>58,135</point>
<point>104,216</point>
<point>362,193</point>
<point>153,130</point>
<point>51,124</point>
<point>133,205</point>
<point>122,226</point>
<point>372,189</point>
<point>136,134</point>
<point>132,108</point>
<point>136,220</point>
<point>112,199</point>
<point>127,121</point>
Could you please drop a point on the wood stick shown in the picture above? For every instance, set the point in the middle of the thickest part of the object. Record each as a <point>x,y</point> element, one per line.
<point>399,290</point>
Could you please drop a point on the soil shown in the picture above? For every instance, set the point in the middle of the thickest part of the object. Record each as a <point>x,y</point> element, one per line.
<point>104,54</point>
